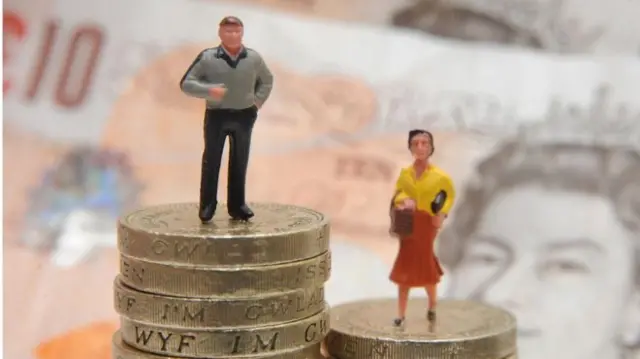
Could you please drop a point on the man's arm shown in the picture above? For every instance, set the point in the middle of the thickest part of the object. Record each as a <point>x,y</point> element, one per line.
<point>264,83</point>
<point>193,83</point>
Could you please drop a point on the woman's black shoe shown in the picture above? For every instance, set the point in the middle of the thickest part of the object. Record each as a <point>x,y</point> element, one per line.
<point>398,322</point>
<point>431,315</point>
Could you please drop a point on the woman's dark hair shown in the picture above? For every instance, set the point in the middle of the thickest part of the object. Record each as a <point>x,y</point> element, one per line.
<point>416,132</point>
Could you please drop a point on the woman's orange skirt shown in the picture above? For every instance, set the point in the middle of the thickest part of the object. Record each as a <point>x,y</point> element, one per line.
<point>416,264</point>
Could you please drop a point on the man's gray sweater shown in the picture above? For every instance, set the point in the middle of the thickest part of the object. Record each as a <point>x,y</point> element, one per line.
<point>246,77</point>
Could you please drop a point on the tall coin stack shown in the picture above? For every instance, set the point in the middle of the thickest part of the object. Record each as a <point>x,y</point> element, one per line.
<point>462,330</point>
<point>225,289</point>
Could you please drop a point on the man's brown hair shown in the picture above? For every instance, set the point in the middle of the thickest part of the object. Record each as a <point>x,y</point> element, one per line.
<point>231,20</point>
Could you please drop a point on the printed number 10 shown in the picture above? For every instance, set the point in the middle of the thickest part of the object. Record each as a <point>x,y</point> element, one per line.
<point>87,38</point>
<point>75,76</point>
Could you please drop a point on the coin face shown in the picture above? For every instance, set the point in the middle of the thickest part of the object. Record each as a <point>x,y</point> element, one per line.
<point>463,330</point>
<point>191,281</point>
<point>121,350</point>
<point>173,233</point>
<point>214,312</point>
<point>225,342</point>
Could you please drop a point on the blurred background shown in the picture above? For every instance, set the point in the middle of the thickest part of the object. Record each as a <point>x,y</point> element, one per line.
<point>533,103</point>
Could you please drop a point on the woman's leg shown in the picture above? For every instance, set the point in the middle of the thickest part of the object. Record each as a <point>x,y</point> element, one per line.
<point>432,297</point>
<point>403,298</point>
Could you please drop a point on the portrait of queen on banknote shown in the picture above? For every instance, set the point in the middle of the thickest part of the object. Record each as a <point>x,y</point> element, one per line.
<point>550,230</point>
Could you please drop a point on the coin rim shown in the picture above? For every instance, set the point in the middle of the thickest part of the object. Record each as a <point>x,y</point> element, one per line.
<point>320,230</point>
<point>163,290</point>
<point>510,319</point>
<point>119,347</point>
<point>229,331</point>
<point>120,286</point>
<point>398,346</point>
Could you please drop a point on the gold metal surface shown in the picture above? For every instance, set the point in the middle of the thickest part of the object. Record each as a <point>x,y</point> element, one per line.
<point>463,330</point>
<point>225,342</point>
<point>239,281</point>
<point>217,311</point>
<point>173,233</point>
<point>123,351</point>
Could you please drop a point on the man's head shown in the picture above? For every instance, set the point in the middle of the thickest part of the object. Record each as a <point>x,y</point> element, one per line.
<point>231,31</point>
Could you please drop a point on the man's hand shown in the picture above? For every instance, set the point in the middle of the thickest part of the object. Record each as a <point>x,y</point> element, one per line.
<point>407,204</point>
<point>217,93</point>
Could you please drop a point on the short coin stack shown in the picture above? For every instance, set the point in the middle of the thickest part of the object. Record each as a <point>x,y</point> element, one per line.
<point>225,289</point>
<point>462,330</point>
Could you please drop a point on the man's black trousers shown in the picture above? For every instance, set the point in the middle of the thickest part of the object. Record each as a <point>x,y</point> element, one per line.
<point>237,125</point>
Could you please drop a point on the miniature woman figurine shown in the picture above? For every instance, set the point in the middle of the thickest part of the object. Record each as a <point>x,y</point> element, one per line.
<point>424,194</point>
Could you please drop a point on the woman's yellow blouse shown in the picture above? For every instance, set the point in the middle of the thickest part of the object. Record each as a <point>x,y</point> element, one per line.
<point>424,189</point>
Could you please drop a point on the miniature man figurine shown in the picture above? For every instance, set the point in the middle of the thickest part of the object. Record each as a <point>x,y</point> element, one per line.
<point>424,194</point>
<point>235,82</point>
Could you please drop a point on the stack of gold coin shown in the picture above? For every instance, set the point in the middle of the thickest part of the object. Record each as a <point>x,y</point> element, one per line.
<point>462,330</point>
<point>225,289</point>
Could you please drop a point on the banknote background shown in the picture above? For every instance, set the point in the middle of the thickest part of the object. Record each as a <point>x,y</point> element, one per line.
<point>96,125</point>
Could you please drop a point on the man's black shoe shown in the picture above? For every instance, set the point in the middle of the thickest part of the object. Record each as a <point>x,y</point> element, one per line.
<point>207,212</point>
<point>242,213</point>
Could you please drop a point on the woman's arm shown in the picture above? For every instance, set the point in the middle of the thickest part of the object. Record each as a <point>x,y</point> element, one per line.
<point>400,192</point>
<point>449,189</point>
